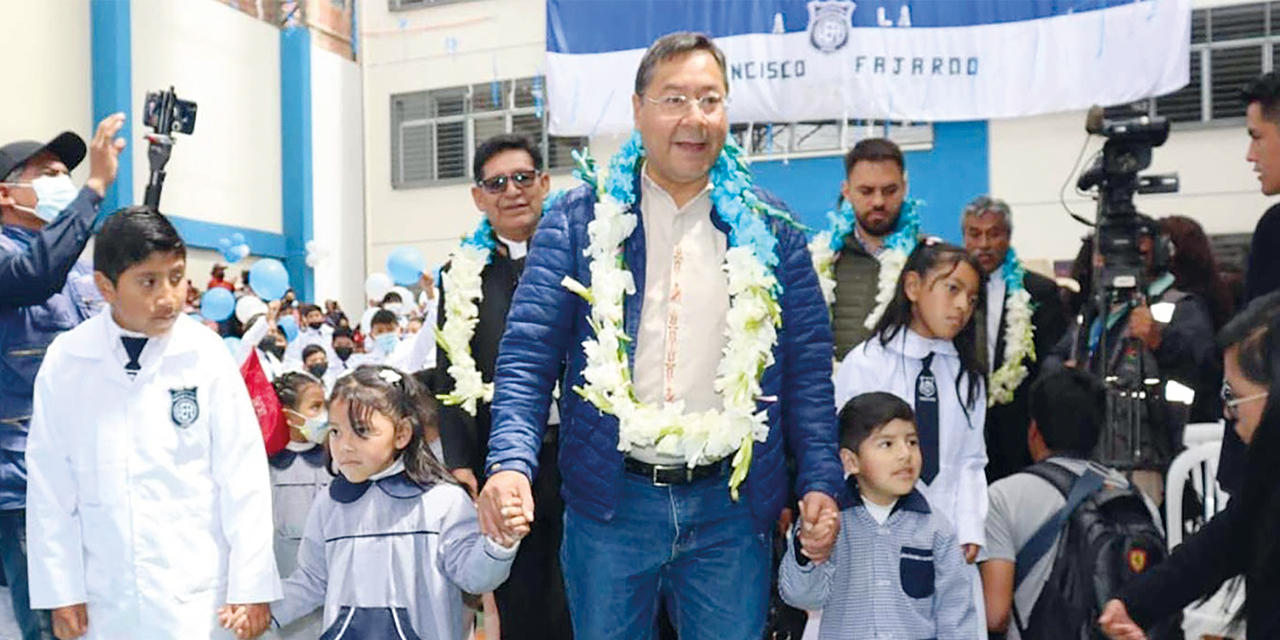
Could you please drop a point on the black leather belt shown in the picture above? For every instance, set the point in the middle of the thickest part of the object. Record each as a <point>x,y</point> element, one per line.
<point>661,474</point>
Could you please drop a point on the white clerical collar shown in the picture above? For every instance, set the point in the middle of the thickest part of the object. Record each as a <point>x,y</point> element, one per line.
<point>515,250</point>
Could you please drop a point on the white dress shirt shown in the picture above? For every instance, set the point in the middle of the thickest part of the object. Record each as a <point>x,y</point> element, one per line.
<point>686,297</point>
<point>995,309</point>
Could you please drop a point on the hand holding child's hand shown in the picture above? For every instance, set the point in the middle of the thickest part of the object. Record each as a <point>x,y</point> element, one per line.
<point>819,525</point>
<point>247,620</point>
<point>515,522</point>
<point>71,621</point>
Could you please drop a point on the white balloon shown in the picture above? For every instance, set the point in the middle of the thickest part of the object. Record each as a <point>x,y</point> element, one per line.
<point>377,285</point>
<point>248,307</point>
<point>312,260</point>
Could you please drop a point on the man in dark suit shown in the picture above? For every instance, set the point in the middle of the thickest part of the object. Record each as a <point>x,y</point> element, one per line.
<point>987,224</point>
<point>510,188</point>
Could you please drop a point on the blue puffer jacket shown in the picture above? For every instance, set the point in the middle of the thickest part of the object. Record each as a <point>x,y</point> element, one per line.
<point>548,323</point>
<point>45,289</point>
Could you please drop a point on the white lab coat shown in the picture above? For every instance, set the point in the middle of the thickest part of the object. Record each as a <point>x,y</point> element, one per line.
<point>959,491</point>
<point>152,508</point>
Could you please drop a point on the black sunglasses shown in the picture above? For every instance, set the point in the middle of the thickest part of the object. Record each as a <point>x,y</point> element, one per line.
<point>498,184</point>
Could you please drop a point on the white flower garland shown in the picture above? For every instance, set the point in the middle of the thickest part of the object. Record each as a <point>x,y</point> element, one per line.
<point>751,327</point>
<point>1019,334</point>
<point>892,258</point>
<point>463,288</point>
<point>463,291</point>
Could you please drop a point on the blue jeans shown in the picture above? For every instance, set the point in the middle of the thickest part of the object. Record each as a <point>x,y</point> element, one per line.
<point>35,625</point>
<point>688,544</point>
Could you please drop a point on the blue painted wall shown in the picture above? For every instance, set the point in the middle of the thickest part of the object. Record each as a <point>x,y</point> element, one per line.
<point>946,178</point>
<point>112,76</point>
<point>295,157</point>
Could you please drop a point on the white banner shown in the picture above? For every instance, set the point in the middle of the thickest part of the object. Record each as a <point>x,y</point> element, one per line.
<point>896,69</point>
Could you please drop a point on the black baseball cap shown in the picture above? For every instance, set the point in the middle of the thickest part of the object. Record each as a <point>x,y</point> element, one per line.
<point>67,146</point>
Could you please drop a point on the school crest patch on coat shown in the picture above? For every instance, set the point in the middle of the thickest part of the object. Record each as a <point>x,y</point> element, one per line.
<point>184,408</point>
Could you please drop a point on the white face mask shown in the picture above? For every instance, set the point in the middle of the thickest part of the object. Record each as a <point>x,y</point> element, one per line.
<point>53,195</point>
<point>313,429</point>
<point>387,342</point>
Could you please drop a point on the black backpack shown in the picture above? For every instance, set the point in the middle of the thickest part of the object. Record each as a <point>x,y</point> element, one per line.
<point>1107,538</point>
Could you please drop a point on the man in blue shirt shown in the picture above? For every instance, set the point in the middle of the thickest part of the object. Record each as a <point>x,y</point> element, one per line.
<point>44,290</point>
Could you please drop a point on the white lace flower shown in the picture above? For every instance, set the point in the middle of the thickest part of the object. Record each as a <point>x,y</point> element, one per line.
<point>1019,345</point>
<point>463,289</point>
<point>892,261</point>
<point>824,262</point>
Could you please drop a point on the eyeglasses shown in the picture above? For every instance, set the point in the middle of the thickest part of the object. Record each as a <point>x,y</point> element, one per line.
<point>679,104</point>
<point>1231,404</point>
<point>498,184</point>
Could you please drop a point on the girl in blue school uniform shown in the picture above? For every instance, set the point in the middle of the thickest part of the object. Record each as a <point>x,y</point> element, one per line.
<point>924,350</point>
<point>298,473</point>
<point>392,544</point>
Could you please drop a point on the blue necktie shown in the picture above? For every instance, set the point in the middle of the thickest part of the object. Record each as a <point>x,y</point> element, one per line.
<point>927,419</point>
<point>133,347</point>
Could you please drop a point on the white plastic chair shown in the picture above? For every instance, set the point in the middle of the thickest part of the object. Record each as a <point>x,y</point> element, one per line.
<point>1199,466</point>
<point>1202,432</point>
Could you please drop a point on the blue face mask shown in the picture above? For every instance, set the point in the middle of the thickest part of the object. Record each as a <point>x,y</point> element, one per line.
<point>53,195</point>
<point>387,342</point>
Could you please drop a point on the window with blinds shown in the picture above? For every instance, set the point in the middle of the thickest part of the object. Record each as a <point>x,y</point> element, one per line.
<point>434,133</point>
<point>765,140</point>
<point>1230,45</point>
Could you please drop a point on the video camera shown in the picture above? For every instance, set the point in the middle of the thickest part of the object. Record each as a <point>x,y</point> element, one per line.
<point>1115,175</point>
<point>1134,398</point>
<point>166,114</point>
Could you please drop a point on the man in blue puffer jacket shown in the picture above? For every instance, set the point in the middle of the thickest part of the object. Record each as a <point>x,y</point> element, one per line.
<point>647,524</point>
<point>45,289</point>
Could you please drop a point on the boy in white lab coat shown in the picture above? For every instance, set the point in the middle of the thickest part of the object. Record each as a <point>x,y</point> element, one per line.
<point>149,504</point>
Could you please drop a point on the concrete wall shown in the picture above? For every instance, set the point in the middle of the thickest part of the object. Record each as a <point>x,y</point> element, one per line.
<point>45,108</point>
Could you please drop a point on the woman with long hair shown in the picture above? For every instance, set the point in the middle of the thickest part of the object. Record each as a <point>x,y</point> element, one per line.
<point>1245,538</point>
<point>1194,268</point>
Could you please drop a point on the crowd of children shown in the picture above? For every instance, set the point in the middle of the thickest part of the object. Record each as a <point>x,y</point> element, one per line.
<point>151,505</point>
<point>148,506</point>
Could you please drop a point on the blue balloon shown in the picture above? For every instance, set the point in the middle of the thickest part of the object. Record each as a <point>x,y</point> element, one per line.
<point>269,279</point>
<point>237,238</point>
<point>233,344</point>
<point>224,243</point>
<point>406,265</point>
<point>289,325</point>
<point>217,304</point>
<point>242,251</point>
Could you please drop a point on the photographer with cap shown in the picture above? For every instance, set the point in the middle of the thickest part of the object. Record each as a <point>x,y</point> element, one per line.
<point>44,290</point>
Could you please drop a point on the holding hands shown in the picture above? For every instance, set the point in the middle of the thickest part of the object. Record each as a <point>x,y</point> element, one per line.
<point>819,525</point>
<point>515,522</point>
<point>246,620</point>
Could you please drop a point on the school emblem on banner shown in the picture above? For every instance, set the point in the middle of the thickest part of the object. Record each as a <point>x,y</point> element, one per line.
<point>829,24</point>
<point>184,408</point>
